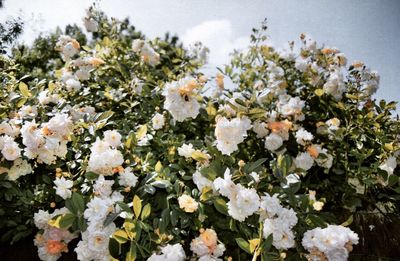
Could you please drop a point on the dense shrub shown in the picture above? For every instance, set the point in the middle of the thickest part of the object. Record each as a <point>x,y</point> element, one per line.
<point>119,141</point>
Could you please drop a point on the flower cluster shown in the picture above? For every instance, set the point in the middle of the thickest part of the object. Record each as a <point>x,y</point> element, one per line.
<point>105,158</point>
<point>330,243</point>
<point>146,52</point>
<point>52,241</point>
<point>95,239</point>
<point>169,253</point>
<point>206,246</point>
<point>180,99</point>
<point>279,222</point>
<point>230,133</point>
<point>68,47</point>
<point>243,202</point>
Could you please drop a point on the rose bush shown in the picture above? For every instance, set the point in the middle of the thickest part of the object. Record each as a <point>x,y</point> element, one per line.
<point>121,143</point>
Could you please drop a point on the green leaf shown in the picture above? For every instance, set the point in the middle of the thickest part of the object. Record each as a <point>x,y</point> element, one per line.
<point>129,141</point>
<point>158,167</point>
<point>114,248</point>
<point>266,244</point>
<point>348,221</point>
<point>120,236</point>
<point>79,202</point>
<point>110,218</point>
<point>251,166</point>
<point>23,88</point>
<point>137,206</point>
<point>125,207</point>
<point>66,220</point>
<point>104,116</point>
<point>243,244</point>
<point>145,211</point>
<point>91,175</point>
<point>174,217</point>
<point>220,205</point>
<point>21,102</point>
<point>141,132</point>
<point>131,255</point>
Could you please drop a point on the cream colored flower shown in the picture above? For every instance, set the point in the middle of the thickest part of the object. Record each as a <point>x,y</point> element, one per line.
<point>188,204</point>
<point>318,205</point>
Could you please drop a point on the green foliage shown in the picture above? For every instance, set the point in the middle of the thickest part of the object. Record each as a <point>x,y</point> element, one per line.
<point>125,92</point>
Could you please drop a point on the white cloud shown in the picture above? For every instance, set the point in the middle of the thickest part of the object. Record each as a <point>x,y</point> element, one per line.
<point>218,36</point>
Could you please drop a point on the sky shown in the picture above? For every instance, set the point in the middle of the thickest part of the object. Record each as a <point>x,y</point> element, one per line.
<point>364,30</point>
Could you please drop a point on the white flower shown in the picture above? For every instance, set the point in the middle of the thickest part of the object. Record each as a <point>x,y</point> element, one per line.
<point>304,161</point>
<point>201,182</point>
<point>292,179</point>
<point>73,85</point>
<point>10,150</point>
<point>41,218</point>
<point>28,111</point>
<point>63,187</point>
<point>335,85</point>
<point>198,247</point>
<point>97,209</point>
<point>98,238</point>
<point>169,253</point>
<point>333,124</point>
<point>301,64</point>
<point>255,176</point>
<point>318,205</point>
<point>187,203</point>
<point>127,178</point>
<point>59,126</point>
<point>186,150</point>
<point>137,45</point>
<point>46,256</point>
<point>206,245</point>
<point>282,238</point>
<point>389,165</point>
<point>113,138</point>
<point>158,121</point>
<point>45,98</point>
<point>273,142</point>
<point>279,223</point>
<point>331,241</point>
<point>292,106</point>
<point>180,99</point>
<point>69,50</point>
<point>83,252</point>
<point>230,133</point>
<point>225,186</point>
<point>99,146</point>
<point>5,128</point>
<point>271,205</point>
<point>149,55</point>
<point>20,168</point>
<point>83,74</point>
<point>244,204</point>
<point>303,136</point>
<point>136,85</point>
<point>103,187</point>
<point>90,24</point>
<point>324,159</point>
<point>261,129</point>
<point>104,159</point>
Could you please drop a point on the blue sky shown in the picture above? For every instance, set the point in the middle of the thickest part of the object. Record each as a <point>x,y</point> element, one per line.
<point>364,30</point>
